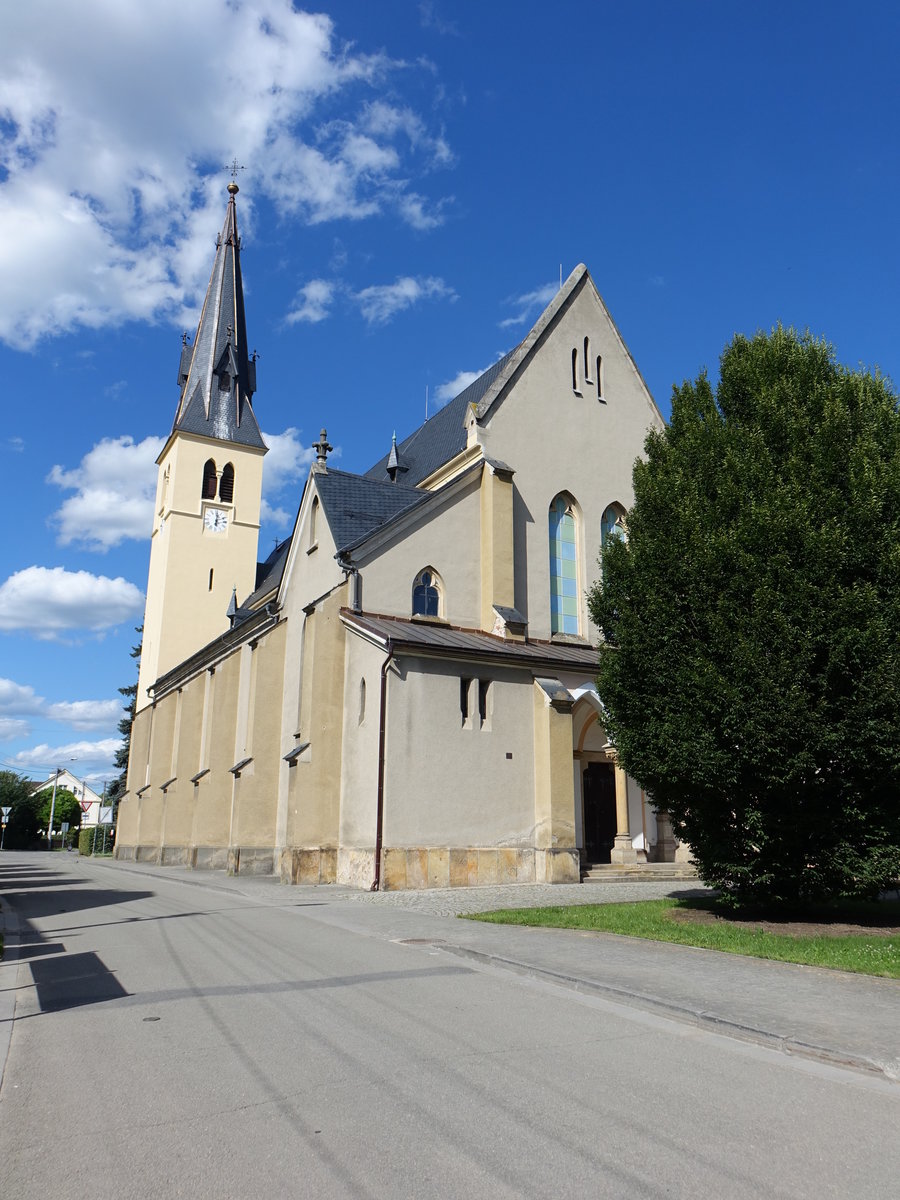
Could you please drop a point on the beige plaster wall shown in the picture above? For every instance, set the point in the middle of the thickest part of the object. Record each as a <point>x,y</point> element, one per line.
<point>559,441</point>
<point>256,792</point>
<point>359,778</point>
<point>448,541</point>
<point>314,783</point>
<point>446,785</point>
<point>213,794</point>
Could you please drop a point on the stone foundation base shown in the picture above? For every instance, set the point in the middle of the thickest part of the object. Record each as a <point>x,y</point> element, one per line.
<point>124,853</point>
<point>250,860</point>
<point>557,865</point>
<point>308,866</point>
<point>175,856</point>
<point>356,868</point>
<point>209,858</point>
<point>147,854</point>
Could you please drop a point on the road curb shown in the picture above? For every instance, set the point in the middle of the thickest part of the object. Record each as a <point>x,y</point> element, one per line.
<point>9,968</point>
<point>700,1018</point>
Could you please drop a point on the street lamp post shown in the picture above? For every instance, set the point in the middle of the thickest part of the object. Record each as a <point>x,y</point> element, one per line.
<point>52,808</point>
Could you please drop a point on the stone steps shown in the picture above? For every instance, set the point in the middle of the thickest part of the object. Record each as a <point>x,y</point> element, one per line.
<point>636,872</point>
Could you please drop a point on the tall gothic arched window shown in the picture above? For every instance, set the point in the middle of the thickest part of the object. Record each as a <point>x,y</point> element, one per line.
<point>209,480</point>
<point>563,567</point>
<point>226,485</point>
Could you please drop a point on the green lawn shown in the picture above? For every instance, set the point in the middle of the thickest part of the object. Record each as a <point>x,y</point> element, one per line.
<point>866,953</point>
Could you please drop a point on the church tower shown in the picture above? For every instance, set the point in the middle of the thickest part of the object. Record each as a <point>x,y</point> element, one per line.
<point>208,493</point>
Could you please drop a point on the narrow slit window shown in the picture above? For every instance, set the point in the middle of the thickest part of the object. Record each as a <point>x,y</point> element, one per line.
<point>587,360</point>
<point>484,691</point>
<point>226,485</point>
<point>600,395</point>
<point>362,701</point>
<point>210,578</point>
<point>464,685</point>
<point>313,514</point>
<point>574,368</point>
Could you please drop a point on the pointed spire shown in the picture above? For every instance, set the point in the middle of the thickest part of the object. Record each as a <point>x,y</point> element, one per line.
<point>231,612</point>
<point>393,461</point>
<point>216,375</point>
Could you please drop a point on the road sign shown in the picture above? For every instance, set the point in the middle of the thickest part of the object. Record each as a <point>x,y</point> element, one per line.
<point>106,816</point>
<point>65,826</point>
<point>6,812</point>
<point>85,805</point>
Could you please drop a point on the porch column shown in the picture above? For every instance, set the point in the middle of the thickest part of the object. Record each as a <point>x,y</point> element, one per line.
<point>622,851</point>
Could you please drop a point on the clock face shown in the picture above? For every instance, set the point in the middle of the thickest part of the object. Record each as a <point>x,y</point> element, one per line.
<point>216,520</point>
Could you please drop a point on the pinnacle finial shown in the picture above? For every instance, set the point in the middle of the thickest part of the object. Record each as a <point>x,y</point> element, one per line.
<point>322,449</point>
<point>233,189</point>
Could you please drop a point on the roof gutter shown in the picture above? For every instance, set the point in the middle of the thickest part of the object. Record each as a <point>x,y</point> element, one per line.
<point>382,726</point>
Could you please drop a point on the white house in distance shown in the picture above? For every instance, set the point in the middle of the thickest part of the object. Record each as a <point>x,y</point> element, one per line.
<point>86,796</point>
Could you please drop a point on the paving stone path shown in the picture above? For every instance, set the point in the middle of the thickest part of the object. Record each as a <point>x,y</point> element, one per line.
<point>449,902</point>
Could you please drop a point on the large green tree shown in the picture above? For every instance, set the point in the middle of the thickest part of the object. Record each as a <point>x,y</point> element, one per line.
<point>751,663</point>
<point>22,827</point>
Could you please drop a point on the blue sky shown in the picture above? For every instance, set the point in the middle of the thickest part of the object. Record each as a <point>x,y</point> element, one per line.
<point>416,176</point>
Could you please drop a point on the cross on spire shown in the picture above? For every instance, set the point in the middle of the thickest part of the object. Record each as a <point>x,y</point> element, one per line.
<point>234,166</point>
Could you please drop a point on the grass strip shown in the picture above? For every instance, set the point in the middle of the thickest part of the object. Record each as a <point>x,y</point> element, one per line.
<point>864,953</point>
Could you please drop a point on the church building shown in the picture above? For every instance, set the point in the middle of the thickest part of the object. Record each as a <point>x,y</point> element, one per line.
<point>402,694</point>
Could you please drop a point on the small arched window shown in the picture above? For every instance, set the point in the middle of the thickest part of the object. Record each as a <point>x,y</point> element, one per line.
<point>209,480</point>
<point>426,600</point>
<point>587,360</point>
<point>600,395</point>
<point>226,484</point>
<point>612,525</point>
<point>574,368</point>
<point>563,567</point>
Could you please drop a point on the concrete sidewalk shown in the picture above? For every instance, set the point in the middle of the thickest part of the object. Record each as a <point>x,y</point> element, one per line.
<point>833,1016</point>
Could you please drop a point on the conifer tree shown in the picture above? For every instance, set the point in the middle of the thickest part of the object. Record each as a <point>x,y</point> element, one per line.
<point>118,786</point>
<point>751,663</point>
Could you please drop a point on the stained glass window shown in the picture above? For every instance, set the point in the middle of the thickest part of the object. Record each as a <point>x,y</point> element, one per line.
<point>563,568</point>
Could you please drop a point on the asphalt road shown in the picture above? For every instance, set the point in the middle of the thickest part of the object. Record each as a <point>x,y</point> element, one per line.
<point>171,1039</point>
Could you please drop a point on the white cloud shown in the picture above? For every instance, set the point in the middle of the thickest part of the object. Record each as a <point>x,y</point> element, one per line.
<point>529,304</point>
<point>86,714</point>
<point>16,444</point>
<point>19,699</point>
<point>285,464</point>
<point>49,601</point>
<point>11,727</point>
<point>115,486</point>
<point>381,302</point>
<point>452,388</point>
<point>19,702</point>
<point>312,303</point>
<point>108,194</point>
<point>286,461</point>
<point>96,754</point>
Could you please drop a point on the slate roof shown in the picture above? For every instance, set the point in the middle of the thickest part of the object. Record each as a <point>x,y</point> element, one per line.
<point>217,377</point>
<point>441,437</point>
<point>437,639</point>
<point>356,505</point>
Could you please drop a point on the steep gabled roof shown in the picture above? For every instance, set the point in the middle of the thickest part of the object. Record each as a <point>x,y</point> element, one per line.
<point>441,437</point>
<point>355,505</point>
<point>217,377</point>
